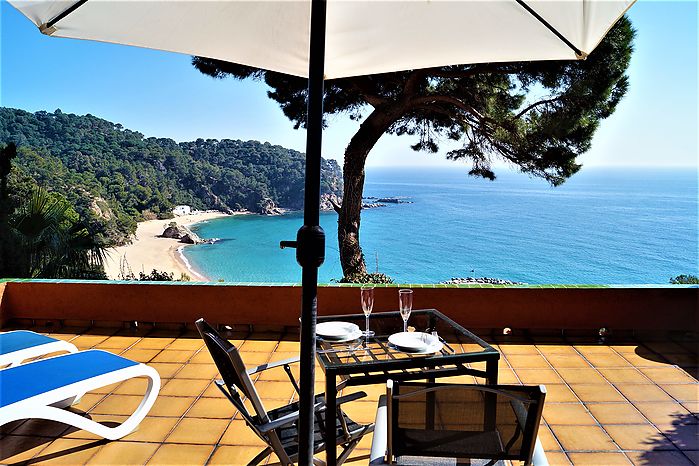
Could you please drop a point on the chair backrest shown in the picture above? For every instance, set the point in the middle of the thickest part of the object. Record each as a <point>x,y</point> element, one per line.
<point>232,369</point>
<point>463,421</point>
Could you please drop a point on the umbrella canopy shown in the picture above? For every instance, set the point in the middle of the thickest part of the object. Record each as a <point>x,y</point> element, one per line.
<point>325,39</point>
<point>362,37</point>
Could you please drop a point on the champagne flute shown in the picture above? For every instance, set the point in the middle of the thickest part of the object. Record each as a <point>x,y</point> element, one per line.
<point>367,306</point>
<point>405,302</point>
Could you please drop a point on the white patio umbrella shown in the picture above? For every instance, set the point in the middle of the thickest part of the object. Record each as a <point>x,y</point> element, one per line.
<point>326,39</point>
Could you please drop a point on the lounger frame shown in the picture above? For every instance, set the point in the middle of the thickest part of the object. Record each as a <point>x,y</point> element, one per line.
<point>45,405</point>
<point>16,358</point>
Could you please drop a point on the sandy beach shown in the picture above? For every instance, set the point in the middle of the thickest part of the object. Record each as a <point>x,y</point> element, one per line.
<point>149,251</point>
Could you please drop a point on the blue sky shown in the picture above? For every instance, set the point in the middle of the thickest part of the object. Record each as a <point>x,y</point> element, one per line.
<point>161,94</point>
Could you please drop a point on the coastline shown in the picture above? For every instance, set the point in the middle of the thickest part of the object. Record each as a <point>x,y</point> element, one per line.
<point>149,251</point>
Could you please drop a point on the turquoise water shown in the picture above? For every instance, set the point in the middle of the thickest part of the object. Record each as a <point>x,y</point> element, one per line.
<point>603,226</point>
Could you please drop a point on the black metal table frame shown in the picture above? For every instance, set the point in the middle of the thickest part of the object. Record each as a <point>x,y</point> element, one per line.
<point>364,373</point>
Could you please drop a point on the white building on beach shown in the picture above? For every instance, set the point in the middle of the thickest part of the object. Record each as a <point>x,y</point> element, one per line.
<point>182,210</point>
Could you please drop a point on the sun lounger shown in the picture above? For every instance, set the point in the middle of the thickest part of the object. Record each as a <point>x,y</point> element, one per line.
<point>19,345</point>
<point>32,390</point>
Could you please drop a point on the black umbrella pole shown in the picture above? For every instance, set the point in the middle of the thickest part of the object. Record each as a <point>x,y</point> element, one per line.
<point>310,240</point>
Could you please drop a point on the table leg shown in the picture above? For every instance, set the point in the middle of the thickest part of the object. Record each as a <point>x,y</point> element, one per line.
<point>490,414</point>
<point>430,400</point>
<point>330,418</point>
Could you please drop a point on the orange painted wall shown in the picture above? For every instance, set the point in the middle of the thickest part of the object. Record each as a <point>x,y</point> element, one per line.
<point>536,308</point>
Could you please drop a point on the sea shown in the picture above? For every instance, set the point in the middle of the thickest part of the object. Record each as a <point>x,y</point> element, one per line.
<point>603,226</point>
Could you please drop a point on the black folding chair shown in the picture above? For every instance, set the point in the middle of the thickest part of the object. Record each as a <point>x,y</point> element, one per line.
<point>278,427</point>
<point>440,424</point>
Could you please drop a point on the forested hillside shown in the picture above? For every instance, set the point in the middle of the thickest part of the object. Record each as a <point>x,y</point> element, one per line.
<point>115,177</point>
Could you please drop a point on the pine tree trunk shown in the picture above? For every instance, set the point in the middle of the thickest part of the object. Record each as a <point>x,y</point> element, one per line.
<point>348,222</point>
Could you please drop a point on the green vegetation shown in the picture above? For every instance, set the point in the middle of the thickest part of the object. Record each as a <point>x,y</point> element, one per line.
<point>114,177</point>
<point>685,280</point>
<point>41,234</point>
<point>537,116</point>
<point>367,278</point>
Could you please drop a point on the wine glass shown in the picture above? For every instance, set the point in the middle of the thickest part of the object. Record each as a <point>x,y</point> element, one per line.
<point>367,306</point>
<point>405,302</point>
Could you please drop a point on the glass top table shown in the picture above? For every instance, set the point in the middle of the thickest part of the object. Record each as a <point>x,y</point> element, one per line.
<point>375,361</point>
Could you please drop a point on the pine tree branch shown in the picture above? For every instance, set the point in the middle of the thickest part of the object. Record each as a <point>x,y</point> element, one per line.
<point>536,104</point>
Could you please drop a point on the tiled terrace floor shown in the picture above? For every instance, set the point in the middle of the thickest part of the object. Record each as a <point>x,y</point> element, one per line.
<point>626,402</point>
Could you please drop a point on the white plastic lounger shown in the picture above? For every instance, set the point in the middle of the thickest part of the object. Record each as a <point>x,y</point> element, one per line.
<point>19,345</point>
<point>32,390</point>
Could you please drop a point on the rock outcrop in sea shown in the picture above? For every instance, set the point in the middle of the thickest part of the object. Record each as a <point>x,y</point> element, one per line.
<point>481,280</point>
<point>182,233</point>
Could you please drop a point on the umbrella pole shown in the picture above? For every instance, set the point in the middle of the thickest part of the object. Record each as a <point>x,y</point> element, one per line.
<point>310,252</point>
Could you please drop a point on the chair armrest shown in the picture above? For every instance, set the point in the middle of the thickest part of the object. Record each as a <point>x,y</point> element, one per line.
<point>285,420</point>
<point>350,397</point>
<point>272,365</point>
<point>379,441</point>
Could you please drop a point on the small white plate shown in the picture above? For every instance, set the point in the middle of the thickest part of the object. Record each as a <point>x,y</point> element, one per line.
<point>337,331</point>
<point>415,342</point>
<point>352,336</point>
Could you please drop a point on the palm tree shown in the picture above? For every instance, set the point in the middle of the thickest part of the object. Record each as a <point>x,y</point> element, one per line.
<point>54,242</point>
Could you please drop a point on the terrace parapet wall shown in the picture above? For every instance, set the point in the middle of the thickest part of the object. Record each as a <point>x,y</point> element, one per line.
<point>647,308</point>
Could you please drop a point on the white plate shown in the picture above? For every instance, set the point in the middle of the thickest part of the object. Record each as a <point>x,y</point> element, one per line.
<point>336,331</point>
<point>352,336</point>
<point>415,342</point>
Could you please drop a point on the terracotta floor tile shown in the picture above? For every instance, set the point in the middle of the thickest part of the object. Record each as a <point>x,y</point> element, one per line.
<point>638,437</point>
<point>683,392</point>
<point>527,361</point>
<point>585,376</point>
<point>684,437</point>
<point>567,414</point>
<point>660,412</point>
<point>645,360</point>
<point>518,349</point>
<point>106,389</point>
<point>166,369</point>
<point>557,459</point>
<point>40,428</point>
<point>212,408</point>
<point>110,420</point>
<point>507,376</point>
<point>135,386</point>
<point>199,431</point>
<point>597,392</point>
<point>623,375</point>
<point>548,441</point>
<point>152,429</point>
<point>88,401</point>
<point>116,342</point>
<point>289,346</point>
<point>259,346</point>
<point>692,406</point>
<point>173,356</point>
<point>235,456</point>
<point>123,453</point>
<point>643,392</point>
<point>191,344</point>
<point>599,459</point>
<point>669,375</point>
<point>171,406</point>
<point>184,387</point>
<point>140,355</point>
<point>201,357</point>
<point>253,359</point>
<point>607,360</point>
<point>238,433</point>
<point>664,458</point>
<point>538,376</point>
<point>693,456</point>
<point>363,412</point>
<point>118,404</point>
<point>275,390</point>
<point>190,455</point>
<point>625,349</point>
<point>18,448</point>
<point>547,350</point>
<point>616,413</point>
<point>559,393</point>
<point>566,360</point>
<point>583,438</point>
<point>198,371</point>
<point>155,343</point>
<point>85,341</point>
<point>69,452</point>
<point>593,349</point>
